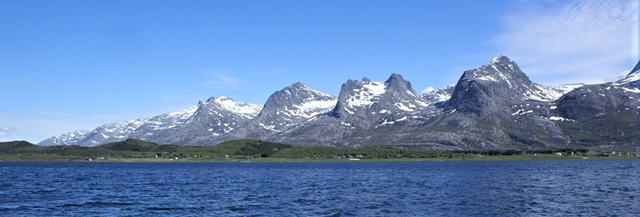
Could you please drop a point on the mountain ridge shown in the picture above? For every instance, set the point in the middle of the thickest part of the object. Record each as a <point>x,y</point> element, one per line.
<point>495,106</point>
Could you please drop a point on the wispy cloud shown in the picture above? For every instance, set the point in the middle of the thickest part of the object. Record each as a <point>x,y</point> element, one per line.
<point>221,78</point>
<point>6,131</point>
<point>576,41</point>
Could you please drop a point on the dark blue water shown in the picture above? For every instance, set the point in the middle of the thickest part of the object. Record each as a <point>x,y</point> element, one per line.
<point>516,188</point>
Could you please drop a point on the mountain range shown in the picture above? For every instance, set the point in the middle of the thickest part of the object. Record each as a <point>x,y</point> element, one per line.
<point>494,106</point>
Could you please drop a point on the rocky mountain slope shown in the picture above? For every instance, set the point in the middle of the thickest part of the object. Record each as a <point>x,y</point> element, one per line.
<point>606,115</point>
<point>495,106</point>
<point>292,105</point>
<point>216,117</point>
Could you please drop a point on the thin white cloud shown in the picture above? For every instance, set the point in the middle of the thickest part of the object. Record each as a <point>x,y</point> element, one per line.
<point>567,42</point>
<point>221,78</point>
<point>5,132</point>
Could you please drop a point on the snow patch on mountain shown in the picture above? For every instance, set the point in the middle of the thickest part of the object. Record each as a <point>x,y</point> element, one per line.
<point>244,109</point>
<point>438,95</point>
<point>565,88</point>
<point>299,113</point>
<point>71,138</point>
<point>171,119</point>
<point>500,69</point>
<point>293,105</point>
<point>148,127</point>
<point>631,83</point>
<point>312,108</point>
<point>304,87</point>
<point>503,70</point>
<point>366,95</point>
<point>547,94</point>
<point>123,127</point>
<point>314,104</point>
<point>555,118</point>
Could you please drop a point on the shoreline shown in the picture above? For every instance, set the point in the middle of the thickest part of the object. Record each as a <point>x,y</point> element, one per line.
<point>328,160</point>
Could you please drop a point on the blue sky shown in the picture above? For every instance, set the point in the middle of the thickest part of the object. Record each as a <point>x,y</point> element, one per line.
<point>70,65</point>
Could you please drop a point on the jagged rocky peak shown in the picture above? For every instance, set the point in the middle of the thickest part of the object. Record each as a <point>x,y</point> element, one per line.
<point>297,93</point>
<point>217,119</point>
<point>397,83</point>
<point>500,69</point>
<point>492,87</point>
<point>501,59</point>
<point>355,94</point>
<point>506,73</point>
<point>401,92</point>
<point>367,97</point>
<point>295,97</point>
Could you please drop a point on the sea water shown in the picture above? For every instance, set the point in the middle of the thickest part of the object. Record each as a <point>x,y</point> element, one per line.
<point>506,188</point>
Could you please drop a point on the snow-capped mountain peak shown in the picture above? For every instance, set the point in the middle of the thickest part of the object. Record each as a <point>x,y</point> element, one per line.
<point>372,101</point>
<point>302,87</point>
<point>292,105</point>
<point>500,59</point>
<point>502,70</point>
<point>241,108</point>
<point>390,112</point>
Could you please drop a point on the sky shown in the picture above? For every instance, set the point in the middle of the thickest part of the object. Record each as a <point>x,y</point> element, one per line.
<point>71,65</point>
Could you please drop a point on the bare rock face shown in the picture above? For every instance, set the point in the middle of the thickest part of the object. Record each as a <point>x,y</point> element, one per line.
<point>496,87</point>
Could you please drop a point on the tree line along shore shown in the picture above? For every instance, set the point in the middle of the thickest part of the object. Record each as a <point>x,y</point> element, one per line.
<point>257,150</point>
